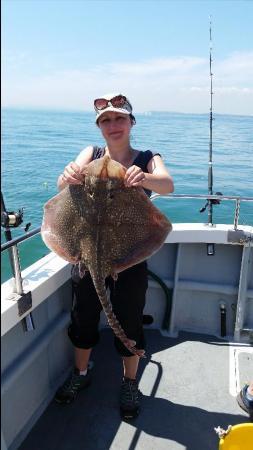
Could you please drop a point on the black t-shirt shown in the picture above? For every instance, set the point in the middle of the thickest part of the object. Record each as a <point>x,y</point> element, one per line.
<point>141,160</point>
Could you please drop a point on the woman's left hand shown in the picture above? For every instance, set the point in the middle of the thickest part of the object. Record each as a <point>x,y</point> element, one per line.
<point>134,176</point>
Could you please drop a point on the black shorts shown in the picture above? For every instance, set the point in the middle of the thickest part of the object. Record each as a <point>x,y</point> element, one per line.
<point>127,296</point>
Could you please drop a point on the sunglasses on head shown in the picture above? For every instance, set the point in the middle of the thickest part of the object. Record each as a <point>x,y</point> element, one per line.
<point>118,102</point>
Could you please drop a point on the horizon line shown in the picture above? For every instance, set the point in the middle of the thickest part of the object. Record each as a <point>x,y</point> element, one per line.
<point>146,113</point>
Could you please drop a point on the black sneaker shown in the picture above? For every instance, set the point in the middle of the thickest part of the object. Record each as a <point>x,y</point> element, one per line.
<point>244,402</point>
<point>75,383</point>
<point>129,399</point>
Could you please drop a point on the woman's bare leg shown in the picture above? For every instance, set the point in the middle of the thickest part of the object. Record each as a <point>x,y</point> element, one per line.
<point>130,366</point>
<point>82,357</point>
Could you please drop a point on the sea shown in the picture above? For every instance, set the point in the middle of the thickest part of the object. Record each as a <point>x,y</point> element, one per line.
<point>37,145</point>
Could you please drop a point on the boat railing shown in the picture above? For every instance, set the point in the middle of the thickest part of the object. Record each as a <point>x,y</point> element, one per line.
<point>212,198</point>
<point>13,243</point>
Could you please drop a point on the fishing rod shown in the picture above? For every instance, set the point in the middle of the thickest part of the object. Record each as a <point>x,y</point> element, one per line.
<point>210,202</point>
<point>210,167</point>
<point>12,219</point>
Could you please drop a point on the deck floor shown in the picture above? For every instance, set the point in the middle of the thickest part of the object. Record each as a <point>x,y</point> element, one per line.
<point>186,388</point>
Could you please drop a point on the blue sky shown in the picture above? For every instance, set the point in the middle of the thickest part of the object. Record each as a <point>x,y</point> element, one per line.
<point>62,54</point>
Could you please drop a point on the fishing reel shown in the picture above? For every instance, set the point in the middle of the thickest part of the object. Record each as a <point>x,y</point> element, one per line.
<point>212,201</point>
<point>11,219</point>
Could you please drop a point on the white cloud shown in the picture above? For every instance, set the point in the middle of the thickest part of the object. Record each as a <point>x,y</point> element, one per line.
<point>172,84</point>
<point>157,66</point>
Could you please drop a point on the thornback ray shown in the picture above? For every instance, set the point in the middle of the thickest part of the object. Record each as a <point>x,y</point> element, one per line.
<point>106,227</point>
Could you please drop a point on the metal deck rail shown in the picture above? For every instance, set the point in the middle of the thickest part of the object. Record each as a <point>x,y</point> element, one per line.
<point>237,200</point>
<point>12,244</point>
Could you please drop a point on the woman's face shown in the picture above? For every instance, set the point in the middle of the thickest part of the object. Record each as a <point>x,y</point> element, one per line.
<point>115,127</point>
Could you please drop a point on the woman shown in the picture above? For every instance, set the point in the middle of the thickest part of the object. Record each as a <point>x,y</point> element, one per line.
<point>146,169</point>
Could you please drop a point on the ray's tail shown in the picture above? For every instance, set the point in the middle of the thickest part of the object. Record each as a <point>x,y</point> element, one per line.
<point>112,319</point>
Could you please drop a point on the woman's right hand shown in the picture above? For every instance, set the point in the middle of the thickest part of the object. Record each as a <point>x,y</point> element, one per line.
<point>72,174</point>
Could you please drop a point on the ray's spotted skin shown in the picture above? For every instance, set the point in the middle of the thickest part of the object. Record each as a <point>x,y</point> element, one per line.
<point>106,227</point>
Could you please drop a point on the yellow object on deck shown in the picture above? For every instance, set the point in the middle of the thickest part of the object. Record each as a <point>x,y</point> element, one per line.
<point>240,437</point>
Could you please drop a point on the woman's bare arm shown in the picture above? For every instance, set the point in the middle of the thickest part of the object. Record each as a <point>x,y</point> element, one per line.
<point>158,179</point>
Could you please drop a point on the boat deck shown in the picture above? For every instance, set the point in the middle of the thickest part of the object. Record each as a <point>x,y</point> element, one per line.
<point>188,384</point>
